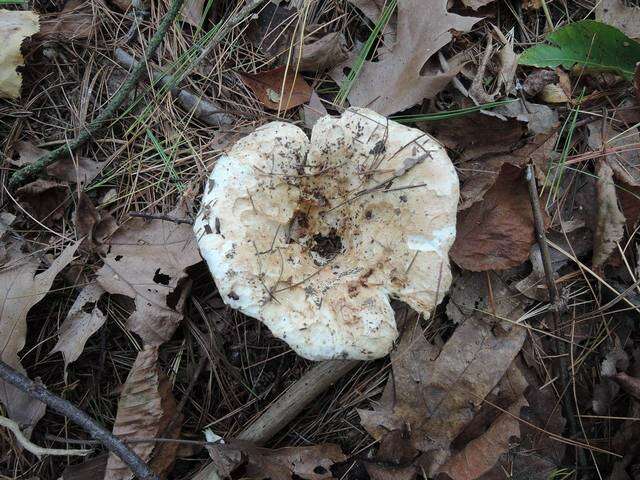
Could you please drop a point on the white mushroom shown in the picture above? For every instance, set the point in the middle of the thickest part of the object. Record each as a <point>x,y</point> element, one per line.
<point>313,237</point>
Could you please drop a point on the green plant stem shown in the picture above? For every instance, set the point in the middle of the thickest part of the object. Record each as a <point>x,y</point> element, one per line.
<point>30,172</point>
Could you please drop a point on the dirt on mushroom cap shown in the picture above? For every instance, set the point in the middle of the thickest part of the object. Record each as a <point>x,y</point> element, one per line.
<point>312,237</point>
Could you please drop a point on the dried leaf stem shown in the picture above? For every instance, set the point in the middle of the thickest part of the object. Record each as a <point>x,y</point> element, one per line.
<point>77,416</point>
<point>29,172</point>
<point>554,298</point>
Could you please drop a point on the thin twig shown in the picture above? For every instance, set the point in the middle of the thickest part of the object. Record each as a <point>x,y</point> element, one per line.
<point>167,218</point>
<point>29,172</point>
<point>77,416</point>
<point>554,297</point>
<point>207,111</point>
<point>35,449</point>
<point>296,399</point>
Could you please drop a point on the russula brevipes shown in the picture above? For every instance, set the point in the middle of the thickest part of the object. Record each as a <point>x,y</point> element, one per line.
<point>313,237</point>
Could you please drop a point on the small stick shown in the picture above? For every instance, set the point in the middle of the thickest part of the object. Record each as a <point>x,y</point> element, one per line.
<point>35,449</point>
<point>293,401</point>
<point>77,416</point>
<point>554,298</point>
<point>29,172</point>
<point>207,111</point>
<point>167,218</point>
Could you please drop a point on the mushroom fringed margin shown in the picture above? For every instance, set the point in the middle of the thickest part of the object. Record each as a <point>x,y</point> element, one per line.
<point>313,237</point>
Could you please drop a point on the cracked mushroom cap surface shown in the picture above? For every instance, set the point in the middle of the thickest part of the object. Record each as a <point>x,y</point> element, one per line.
<point>313,237</point>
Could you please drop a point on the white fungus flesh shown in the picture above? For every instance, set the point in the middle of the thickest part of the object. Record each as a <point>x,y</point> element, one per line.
<point>314,237</point>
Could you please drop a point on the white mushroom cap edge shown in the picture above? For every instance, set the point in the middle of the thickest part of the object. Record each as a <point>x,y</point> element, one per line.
<point>313,237</point>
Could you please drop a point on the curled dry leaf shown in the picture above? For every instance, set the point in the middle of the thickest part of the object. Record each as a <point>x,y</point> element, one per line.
<point>610,221</point>
<point>268,88</point>
<point>145,409</point>
<point>496,233</point>
<point>15,26</point>
<point>402,79</point>
<point>20,289</point>
<point>92,225</point>
<point>83,320</point>
<point>147,262</point>
<point>308,463</point>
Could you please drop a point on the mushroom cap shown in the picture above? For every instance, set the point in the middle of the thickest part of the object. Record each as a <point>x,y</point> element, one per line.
<point>313,237</point>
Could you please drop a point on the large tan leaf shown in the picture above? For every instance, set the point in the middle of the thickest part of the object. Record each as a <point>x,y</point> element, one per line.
<point>145,409</point>
<point>434,395</point>
<point>147,262</point>
<point>496,233</point>
<point>398,81</point>
<point>15,26</point>
<point>21,289</point>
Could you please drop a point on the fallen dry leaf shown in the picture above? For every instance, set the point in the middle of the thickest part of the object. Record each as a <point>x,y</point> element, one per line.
<point>308,463</point>
<point>372,9</point>
<point>623,15</point>
<point>83,320</point>
<point>432,395</point>
<point>553,93</point>
<point>483,296</point>
<point>43,199</point>
<point>321,52</point>
<point>401,79</point>
<point>20,289</point>
<point>92,225</point>
<point>75,170</point>
<point>478,176</point>
<point>482,453</point>
<point>477,134</point>
<point>145,409</point>
<point>147,262</point>
<point>76,21</point>
<point>268,88</point>
<point>610,221</point>
<point>496,233</point>
<point>272,28</point>
<point>15,26</point>
<point>540,119</point>
<point>537,80</point>
<point>625,160</point>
